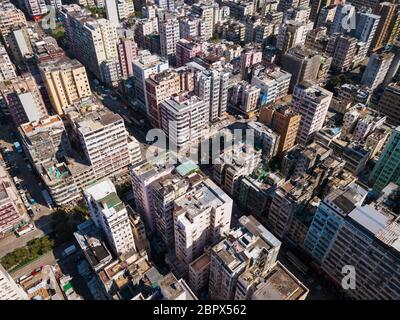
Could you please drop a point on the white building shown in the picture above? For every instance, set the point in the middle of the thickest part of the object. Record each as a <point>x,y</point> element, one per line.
<point>202,216</point>
<point>266,138</point>
<point>9,290</point>
<point>112,11</point>
<point>110,215</point>
<point>312,102</point>
<point>7,69</point>
<point>103,137</point>
<point>36,8</point>
<point>292,33</point>
<point>274,85</point>
<point>146,65</point>
<point>234,162</point>
<point>169,37</point>
<point>91,41</point>
<point>125,9</point>
<point>368,240</point>
<point>377,68</point>
<point>206,13</point>
<point>184,119</point>
<point>143,174</point>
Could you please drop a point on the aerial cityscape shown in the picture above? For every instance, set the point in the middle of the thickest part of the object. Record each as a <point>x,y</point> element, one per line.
<point>199,150</point>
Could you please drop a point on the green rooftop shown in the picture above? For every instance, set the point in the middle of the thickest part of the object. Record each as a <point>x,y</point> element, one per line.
<point>111,200</point>
<point>187,168</point>
<point>67,286</point>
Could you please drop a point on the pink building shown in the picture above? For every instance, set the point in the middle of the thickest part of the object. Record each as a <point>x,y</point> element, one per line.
<point>23,99</point>
<point>127,53</point>
<point>10,203</point>
<point>186,50</point>
<point>249,57</point>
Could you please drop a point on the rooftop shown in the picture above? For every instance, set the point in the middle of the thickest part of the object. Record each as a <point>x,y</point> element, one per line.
<point>280,284</point>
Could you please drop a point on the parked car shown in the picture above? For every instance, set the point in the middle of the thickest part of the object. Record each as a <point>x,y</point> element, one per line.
<point>30,213</point>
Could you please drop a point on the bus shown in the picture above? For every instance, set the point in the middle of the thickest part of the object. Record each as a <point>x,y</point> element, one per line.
<point>47,198</point>
<point>18,147</point>
<point>24,230</point>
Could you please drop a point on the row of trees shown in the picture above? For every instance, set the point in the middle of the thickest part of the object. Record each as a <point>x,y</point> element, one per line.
<point>21,256</point>
<point>63,224</point>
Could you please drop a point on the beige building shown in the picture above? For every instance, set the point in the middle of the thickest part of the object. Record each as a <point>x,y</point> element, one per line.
<point>235,261</point>
<point>199,271</point>
<point>283,120</point>
<point>279,284</point>
<point>10,16</point>
<point>159,87</point>
<point>66,82</point>
<point>7,68</point>
<point>19,44</point>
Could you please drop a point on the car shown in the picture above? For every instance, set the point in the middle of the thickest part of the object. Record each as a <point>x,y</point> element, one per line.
<point>36,271</point>
<point>30,212</point>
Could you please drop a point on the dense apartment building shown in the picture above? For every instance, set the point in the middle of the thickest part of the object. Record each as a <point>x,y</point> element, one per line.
<point>66,82</point>
<point>169,37</point>
<point>199,272</point>
<point>10,17</point>
<point>304,65</point>
<point>103,137</point>
<point>389,104</point>
<point>312,103</point>
<point>292,33</point>
<point>159,87</point>
<point>201,217</point>
<point>45,139</point>
<point>234,162</point>
<point>185,119</point>
<point>377,68</point>
<point>368,240</point>
<point>127,53</point>
<point>143,67</point>
<point>289,199</point>
<point>265,138</point>
<point>7,68</point>
<point>211,84</point>
<point>9,290</point>
<point>250,56</point>
<point>235,259</point>
<point>342,49</point>
<point>389,15</point>
<point>206,13</point>
<point>46,49</point>
<point>93,42</point>
<point>19,45</point>
<point>23,99</point>
<point>143,175</point>
<point>245,97</point>
<point>283,120</point>
<point>12,209</point>
<point>273,84</point>
<point>110,215</point>
<point>165,191</point>
<point>329,215</point>
<point>186,50</point>
<point>35,8</point>
<point>387,169</point>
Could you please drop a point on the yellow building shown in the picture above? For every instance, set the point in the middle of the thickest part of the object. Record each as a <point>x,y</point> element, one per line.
<point>66,82</point>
